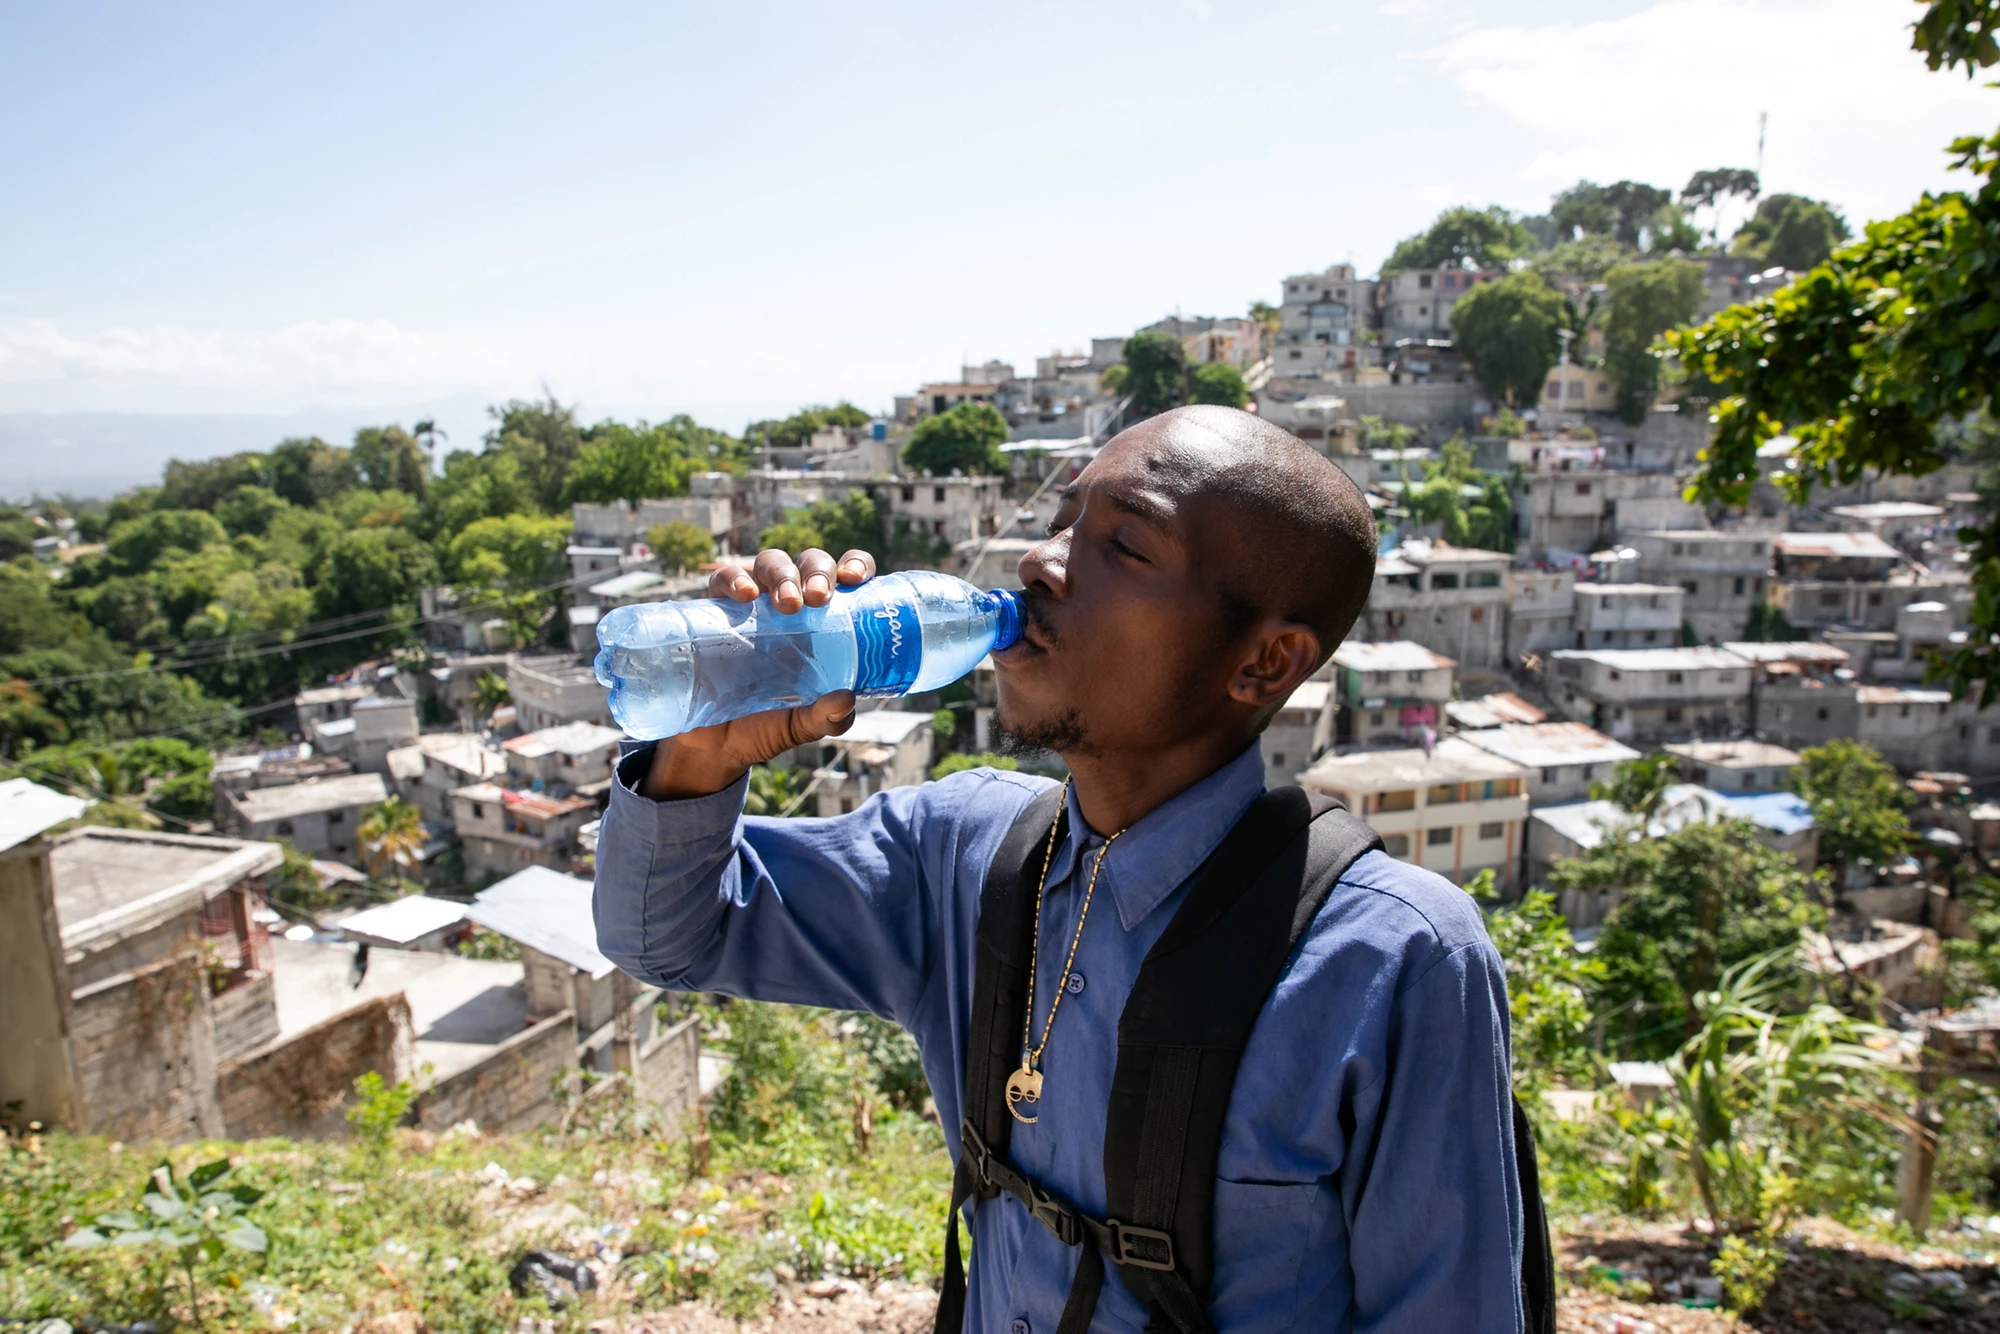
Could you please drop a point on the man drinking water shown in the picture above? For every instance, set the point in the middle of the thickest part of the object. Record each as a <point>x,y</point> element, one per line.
<point>1206,1057</point>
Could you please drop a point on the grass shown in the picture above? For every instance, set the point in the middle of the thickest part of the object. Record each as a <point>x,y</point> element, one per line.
<point>404,1220</point>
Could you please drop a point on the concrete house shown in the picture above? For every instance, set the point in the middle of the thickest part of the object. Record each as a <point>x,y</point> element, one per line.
<point>1449,599</point>
<point>1730,767</point>
<point>1627,616</point>
<point>440,763</point>
<point>579,755</point>
<point>1723,575</point>
<point>884,748</point>
<point>1299,732</point>
<point>946,510</point>
<point>552,690</point>
<point>1389,692</point>
<point>1456,809</point>
<point>135,965</point>
<point>1846,579</point>
<point>1562,760</point>
<point>508,829</point>
<point>1653,694</point>
<point>318,816</point>
<point>1541,612</point>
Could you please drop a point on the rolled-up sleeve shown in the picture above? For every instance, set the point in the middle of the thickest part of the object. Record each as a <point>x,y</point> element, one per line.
<point>695,896</point>
<point>1433,1201</point>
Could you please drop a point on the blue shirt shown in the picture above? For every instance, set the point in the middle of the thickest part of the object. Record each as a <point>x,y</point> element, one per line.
<point>1365,1180</point>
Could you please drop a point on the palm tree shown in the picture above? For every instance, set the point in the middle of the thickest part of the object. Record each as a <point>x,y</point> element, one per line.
<point>393,833</point>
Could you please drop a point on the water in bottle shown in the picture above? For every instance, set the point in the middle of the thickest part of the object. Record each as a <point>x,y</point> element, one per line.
<point>672,666</point>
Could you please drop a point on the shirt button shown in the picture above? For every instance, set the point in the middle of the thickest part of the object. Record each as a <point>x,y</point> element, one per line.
<point>1075,988</point>
<point>1018,1327</point>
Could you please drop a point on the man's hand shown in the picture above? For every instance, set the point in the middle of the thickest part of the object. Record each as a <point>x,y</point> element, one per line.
<point>708,759</point>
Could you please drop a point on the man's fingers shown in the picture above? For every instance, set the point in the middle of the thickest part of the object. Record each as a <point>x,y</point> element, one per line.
<point>816,576</point>
<point>856,567</point>
<point>779,577</point>
<point>829,715</point>
<point>732,581</point>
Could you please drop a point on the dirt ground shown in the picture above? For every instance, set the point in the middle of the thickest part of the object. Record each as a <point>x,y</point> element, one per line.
<point>1836,1281</point>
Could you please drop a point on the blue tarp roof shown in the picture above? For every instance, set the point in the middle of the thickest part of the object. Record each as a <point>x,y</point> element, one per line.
<point>1781,812</point>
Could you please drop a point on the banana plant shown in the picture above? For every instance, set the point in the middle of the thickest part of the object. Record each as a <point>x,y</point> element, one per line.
<point>200,1216</point>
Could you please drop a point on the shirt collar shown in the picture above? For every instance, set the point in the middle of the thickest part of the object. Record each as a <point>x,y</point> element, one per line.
<point>1154,856</point>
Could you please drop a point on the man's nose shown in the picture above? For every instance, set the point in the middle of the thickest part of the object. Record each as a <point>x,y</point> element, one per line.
<point>1047,564</point>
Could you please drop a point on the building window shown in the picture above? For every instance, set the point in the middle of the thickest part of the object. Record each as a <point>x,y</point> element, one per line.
<point>1690,586</point>
<point>1678,548</point>
<point>1441,794</point>
<point>1822,715</point>
<point>1548,775</point>
<point>1479,615</point>
<point>1278,760</point>
<point>1724,678</point>
<point>1874,599</point>
<point>1493,829</point>
<point>1396,845</point>
<point>937,494</point>
<point>478,811</point>
<point>1583,488</point>
<point>1739,588</point>
<point>1993,736</point>
<point>1405,800</point>
<point>1444,581</point>
<point>1424,281</point>
<point>1829,599</point>
<point>1375,719</point>
<point>1673,713</point>
<point>1438,838</point>
<point>1673,678</point>
<point>909,495</point>
<point>284,829</point>
<point>339,817</point>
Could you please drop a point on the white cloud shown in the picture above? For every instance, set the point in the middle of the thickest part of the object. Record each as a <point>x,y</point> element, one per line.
<point>1855,117</point>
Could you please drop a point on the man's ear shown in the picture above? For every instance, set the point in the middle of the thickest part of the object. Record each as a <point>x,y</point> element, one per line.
<point>1282,656</point>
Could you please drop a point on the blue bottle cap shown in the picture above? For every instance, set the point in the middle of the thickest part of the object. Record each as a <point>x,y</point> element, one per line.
<point>1006,604</point>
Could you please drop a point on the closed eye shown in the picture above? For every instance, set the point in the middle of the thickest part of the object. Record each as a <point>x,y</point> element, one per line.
<point>1124,550</point>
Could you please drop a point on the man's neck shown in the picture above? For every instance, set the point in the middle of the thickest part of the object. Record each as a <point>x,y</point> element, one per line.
<point>1115,792</point>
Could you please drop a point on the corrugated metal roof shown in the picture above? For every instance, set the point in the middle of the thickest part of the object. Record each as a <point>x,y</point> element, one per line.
<point>1395,655</point>
<point>547,911</point>
<point>1698,658</point>
<point>1551,745</point>
<point>400,921</point>
<point>1858,546</point>
<point>1493,711</point>
<point>27,808</point>
<point>1801,650</point>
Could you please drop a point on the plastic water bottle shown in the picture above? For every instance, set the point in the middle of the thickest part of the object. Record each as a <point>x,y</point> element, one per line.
<point>672,666</point>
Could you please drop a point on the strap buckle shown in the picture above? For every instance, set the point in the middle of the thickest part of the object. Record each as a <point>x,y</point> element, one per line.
<point>1143,1247</point>
<point>1053,1214</point>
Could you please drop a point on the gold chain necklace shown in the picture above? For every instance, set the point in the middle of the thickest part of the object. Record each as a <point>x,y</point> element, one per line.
<point>1024,1086</point>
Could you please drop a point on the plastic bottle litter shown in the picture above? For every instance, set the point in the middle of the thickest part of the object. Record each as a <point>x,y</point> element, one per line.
<point>1612,1322</point>
<point>672,666</point>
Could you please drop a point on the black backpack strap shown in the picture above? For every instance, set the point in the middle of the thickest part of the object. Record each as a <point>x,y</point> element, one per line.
<point>1538,1259</point>
<point>1184,1029</point>
<point>993,1039</point>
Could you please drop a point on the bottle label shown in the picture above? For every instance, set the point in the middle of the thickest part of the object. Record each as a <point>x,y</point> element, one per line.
<point>890,643</point>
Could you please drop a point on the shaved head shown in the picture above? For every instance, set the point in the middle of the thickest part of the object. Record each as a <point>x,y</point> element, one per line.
<point>1298,541</point>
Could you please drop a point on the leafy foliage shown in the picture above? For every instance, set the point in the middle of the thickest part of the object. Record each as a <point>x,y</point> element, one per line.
<point>1155,373</point>
<point>1862,359</point>
<point>965,439</point>
<point>1550,986</point>
<point>1508,329</point>
<point>1218,382</point>
<point>959,762</point>
<point>1463,238</point>
<point>1688,905</point>
<point>1646,301</point>
<point>1639,786</point>
<point>1857,802</point>
<point>1791,231</point>
<point>679,545</point>
<point>1485,522</point>
<point>199,1217</point>
<point>391,834</point>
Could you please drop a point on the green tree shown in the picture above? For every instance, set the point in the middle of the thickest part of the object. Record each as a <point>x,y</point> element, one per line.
<point>1508,329</point>
<point>1267,317</point>
<point>680,545</point>
<point>1707,189</point>
<point>1857,803</point>
<point>512,564</point>
<point>776,791</point>
<point>250,510</point>
<point>964,439</point>
<point>1646,301</point>
<point>389,458</point>
<point>794,431</point>
<point>1790,231</point>
<point>491,692</point>
<point>1768,625</point>
<point>543,441</point>
<point>834,526</point>
<point>1464,237</point>
<point>1637,787</point>
<point>1630,212</point>
<point>1550,987</point>
<point>392,834</point>
<point>645,461</point>
<point>1484,521</point>
<point>371,570</point>
<point>307,471</point>
<point>1690,903</point>
<point>1155,373</point>
<point>1218,382</point>
<point>136,545</point>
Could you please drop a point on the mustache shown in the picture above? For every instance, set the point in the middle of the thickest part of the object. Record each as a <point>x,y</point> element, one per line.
<point>1035,606</point>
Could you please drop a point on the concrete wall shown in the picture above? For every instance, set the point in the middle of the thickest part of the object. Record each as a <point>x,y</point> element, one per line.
<point>512,1089</point>
<point>145,1054</point>
<point>304,1084</point>
<point>245,1017</point>
<point>668,1067</point>
<point>35,1066</point>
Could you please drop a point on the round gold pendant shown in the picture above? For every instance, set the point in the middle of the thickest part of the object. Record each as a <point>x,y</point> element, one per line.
<point>1024,1093</point>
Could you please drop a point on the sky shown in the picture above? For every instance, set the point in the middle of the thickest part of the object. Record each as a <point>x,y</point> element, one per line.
<point>228,223</point>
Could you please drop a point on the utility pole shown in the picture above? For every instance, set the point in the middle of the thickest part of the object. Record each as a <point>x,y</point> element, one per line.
<point>1763,119</point>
